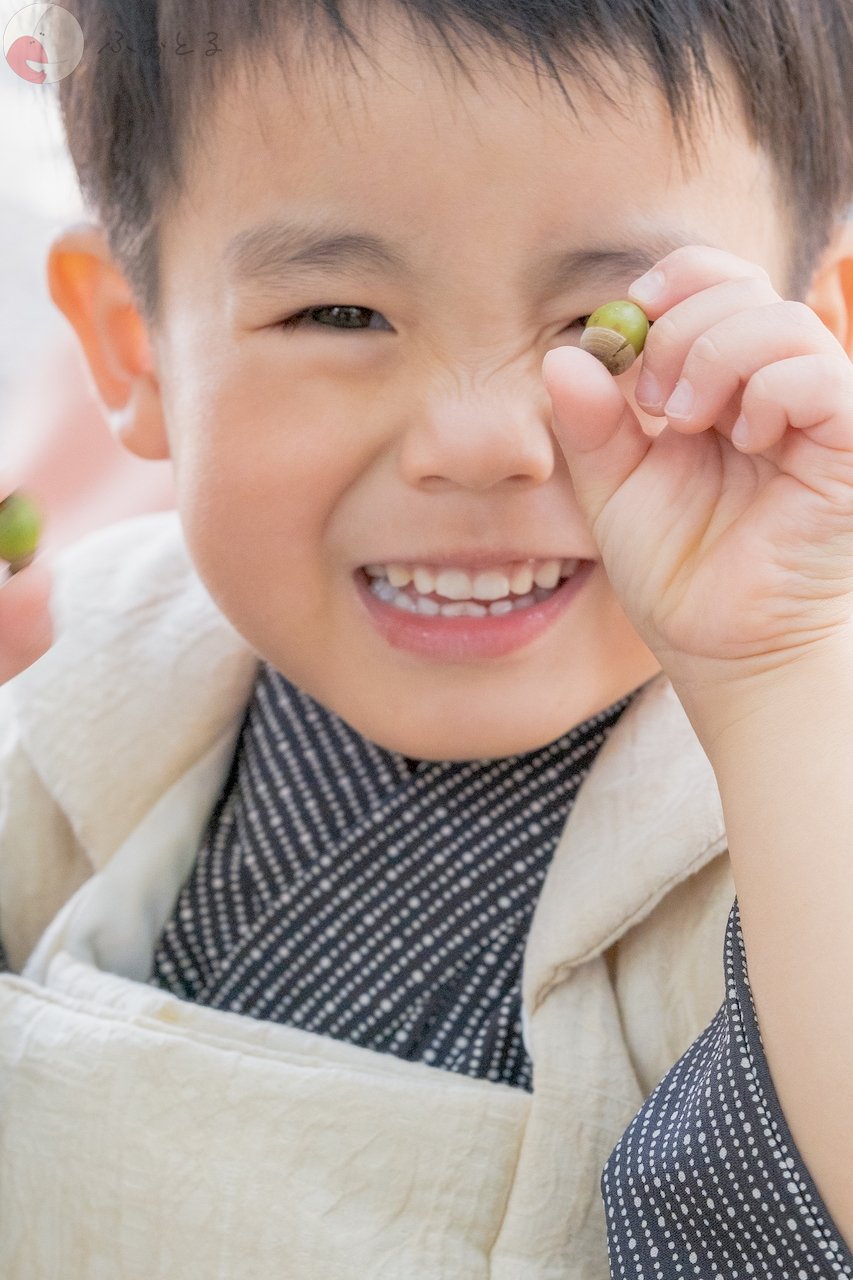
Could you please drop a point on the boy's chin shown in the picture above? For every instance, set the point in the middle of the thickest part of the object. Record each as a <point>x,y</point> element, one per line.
<point>481,728</point>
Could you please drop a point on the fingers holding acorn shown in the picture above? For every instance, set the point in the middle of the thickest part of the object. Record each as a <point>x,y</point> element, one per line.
<point>713,330</point>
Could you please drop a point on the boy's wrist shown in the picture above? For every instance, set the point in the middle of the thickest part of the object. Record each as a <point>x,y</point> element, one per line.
<point>741,708</point>
<point>781,749</point>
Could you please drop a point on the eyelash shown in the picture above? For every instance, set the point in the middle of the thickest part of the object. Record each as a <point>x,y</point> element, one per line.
<point>301,318</point>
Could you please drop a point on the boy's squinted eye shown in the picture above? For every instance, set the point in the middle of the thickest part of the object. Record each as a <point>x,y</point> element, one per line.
<point>336,317</point>
<point>348,317</point>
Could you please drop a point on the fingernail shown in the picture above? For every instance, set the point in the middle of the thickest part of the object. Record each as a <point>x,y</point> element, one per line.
<point>654,428</point>
<point>740,433</point>
<point>647,288</point>
<point>647,391</point>
<point>680,403</point>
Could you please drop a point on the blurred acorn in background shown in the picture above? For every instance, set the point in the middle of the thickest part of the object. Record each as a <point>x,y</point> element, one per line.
<point>20,530</point>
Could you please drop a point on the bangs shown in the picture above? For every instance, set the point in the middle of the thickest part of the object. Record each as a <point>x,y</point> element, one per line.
<point>131,121</point>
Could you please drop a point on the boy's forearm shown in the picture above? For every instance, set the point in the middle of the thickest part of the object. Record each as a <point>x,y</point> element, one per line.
<point>782,754</point>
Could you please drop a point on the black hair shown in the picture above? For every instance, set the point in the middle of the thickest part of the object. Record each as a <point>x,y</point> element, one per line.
<point>134,103</point>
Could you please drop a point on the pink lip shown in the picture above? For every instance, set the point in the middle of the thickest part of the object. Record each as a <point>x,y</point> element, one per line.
<point>468,639</point>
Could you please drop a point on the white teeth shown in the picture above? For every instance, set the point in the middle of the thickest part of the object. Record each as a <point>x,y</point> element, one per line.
<point>490,586</point>
<point>453,584</point>
<point>382,587</point>
<point>526,585</point>
<point>423,605</point>
<point>548,574</point>
<point>522,580</point>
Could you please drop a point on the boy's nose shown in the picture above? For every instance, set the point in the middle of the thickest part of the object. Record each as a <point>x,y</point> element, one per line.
<point>477,442</point>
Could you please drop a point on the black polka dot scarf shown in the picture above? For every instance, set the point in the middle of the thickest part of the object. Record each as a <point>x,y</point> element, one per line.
<point>362,895</point>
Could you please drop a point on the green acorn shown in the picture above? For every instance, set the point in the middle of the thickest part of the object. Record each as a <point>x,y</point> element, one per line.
<point>616,334</point>
<point>20,529</point>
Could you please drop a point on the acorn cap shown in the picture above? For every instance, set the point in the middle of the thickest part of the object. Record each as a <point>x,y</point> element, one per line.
<point>613,349</point>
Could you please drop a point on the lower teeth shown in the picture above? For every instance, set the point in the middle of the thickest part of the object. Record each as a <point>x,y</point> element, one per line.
<point>424,605</point>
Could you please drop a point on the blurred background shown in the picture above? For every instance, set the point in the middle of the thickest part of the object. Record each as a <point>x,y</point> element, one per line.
<point>54,440</point>
<point>38,195</point>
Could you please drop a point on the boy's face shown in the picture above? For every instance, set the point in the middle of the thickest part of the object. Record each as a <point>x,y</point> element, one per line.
<point>420,435</point>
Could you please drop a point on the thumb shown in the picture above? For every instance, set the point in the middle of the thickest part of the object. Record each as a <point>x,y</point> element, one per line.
<point>599,434</point>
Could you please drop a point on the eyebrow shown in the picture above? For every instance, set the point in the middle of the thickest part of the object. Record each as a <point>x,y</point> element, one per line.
<point>273,253</point>
<point>582,268</point>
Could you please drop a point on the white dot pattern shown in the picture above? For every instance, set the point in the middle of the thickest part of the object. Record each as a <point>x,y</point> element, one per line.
<point>707,1181</point>
<point>362,895</point>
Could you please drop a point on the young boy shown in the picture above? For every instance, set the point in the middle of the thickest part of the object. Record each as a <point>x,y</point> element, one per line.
<point>442,668</point>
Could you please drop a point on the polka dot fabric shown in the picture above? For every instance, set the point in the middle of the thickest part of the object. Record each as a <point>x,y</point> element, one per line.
<point>706,1181</point>
<point>365,896</point>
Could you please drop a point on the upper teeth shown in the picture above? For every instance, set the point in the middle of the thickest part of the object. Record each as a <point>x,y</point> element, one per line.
<point>490,584</point>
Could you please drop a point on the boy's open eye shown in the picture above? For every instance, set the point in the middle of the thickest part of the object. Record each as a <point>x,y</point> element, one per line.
<point>334,316</point>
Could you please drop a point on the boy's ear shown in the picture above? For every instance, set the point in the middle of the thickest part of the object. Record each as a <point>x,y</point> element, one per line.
<point>831,290</point>
<point>91,291</point>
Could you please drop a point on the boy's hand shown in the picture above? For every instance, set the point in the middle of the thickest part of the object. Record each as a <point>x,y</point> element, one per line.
<point>730,560</point>
<point>26,630</point>
<point>735,565</point>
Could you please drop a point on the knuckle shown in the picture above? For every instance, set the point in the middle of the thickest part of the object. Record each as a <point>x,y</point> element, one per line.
<point>685,253</point>
<point>663,335</point>
<point>801,315</point>
<point>756,272</point>
<point>717,264</point>
<point>760,388</point>
<point>836,375</point>
<point>763,288</point>
<point>707,349</point>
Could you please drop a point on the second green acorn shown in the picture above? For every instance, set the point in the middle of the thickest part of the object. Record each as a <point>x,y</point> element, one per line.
<point>20,530</point>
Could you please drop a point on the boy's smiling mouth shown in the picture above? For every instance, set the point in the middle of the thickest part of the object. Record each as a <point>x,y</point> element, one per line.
<point>455,614</point>
<point>455,592</point>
